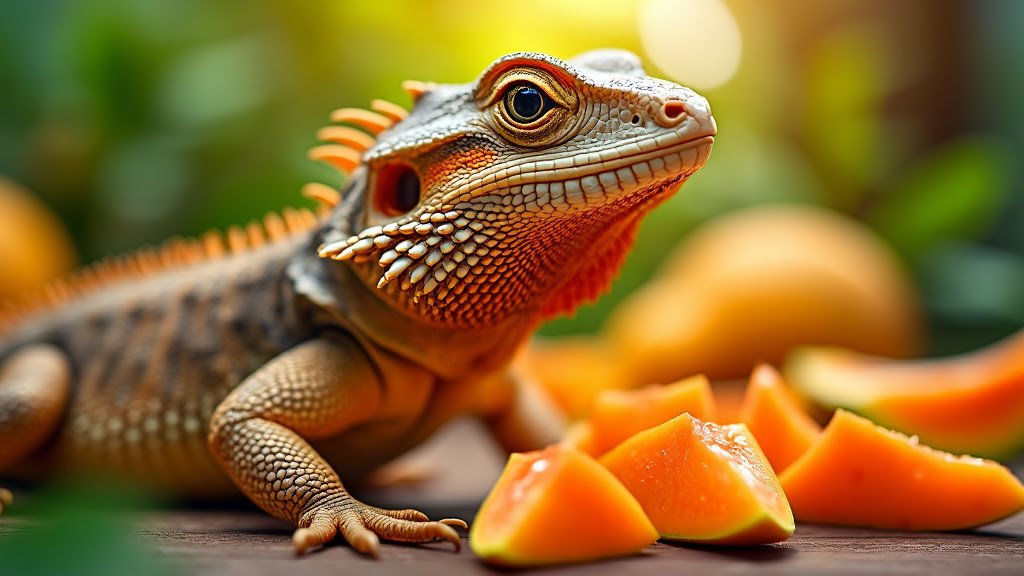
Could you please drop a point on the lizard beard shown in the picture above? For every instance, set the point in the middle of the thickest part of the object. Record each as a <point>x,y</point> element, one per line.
<point>469,268</point>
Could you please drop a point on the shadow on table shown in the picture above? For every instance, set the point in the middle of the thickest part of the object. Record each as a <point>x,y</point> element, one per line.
<point>763,553</point>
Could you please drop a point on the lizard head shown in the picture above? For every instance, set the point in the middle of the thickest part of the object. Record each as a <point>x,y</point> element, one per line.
<point>519,193</point>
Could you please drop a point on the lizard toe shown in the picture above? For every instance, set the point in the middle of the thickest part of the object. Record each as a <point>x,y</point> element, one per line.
<point>414,531</point>
<point>365,526</point>
<point>407,514</point>
<point>360,537</point>
<point>456,522</point>
<point>321,530</point>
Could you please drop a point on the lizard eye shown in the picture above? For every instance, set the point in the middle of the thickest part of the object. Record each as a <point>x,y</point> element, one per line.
<point>526,103</point>
<point>397,190</point>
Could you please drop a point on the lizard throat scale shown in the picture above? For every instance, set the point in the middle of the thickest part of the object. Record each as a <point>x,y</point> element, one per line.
<point>524,218</point>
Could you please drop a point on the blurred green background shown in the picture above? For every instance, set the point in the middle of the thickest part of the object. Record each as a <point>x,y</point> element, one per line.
<point>139,119</point>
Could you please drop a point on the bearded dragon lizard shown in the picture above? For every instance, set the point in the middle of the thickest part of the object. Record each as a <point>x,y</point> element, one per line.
<point>279,358</point>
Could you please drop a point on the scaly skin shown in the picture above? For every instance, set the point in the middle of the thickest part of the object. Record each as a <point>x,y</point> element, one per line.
<point>284,366</point>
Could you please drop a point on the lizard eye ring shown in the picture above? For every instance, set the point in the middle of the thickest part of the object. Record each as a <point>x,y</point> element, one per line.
<point>526,103</point>
<point>530,106</point>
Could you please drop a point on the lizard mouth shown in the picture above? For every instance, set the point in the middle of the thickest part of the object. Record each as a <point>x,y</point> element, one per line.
<point>561,181</point>
<point>638,171</point>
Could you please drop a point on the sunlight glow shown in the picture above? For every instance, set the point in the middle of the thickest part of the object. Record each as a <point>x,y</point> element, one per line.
<point>696,42</point>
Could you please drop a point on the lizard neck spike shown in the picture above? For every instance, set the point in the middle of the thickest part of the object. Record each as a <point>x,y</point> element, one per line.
<point>346,144</point>
<point>393,111</point>
<point>372,122</point>
<point>416,89</point>
<point>322,194</point>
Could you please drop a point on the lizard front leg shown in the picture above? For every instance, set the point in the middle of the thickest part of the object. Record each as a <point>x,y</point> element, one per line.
<point>35,383</point>
<point>315,390</point>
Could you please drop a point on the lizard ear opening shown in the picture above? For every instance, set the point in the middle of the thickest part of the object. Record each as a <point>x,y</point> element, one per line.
<point>396,189</point>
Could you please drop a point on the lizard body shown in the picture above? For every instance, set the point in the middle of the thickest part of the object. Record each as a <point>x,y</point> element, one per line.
<point>329,350</point>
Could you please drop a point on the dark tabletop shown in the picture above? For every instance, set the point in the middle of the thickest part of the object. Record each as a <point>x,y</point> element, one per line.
<point>461,465</point>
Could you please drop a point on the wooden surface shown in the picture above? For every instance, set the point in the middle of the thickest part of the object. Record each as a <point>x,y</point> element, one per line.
<point>246,542</point>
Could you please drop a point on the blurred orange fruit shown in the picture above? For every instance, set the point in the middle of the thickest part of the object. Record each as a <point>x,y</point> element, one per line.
<point>749,286</point>
<point>34,246</point>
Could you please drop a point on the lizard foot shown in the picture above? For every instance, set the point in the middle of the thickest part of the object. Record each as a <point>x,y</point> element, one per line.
<point>363,526</point>
<point>6,499</point>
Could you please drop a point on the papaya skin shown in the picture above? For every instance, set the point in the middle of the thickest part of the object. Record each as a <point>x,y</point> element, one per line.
<point>703,483</point>
<point>774,416</point>
<point>972,403</point>
<point>861,474</point>
<point>554,506</point>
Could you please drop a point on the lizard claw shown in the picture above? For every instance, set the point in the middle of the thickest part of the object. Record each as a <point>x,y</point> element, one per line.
<point>457,522</point>
<point>363,526</point>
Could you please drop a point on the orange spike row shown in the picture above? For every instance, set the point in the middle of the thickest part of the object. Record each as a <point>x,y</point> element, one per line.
<point>322,194</point>
<point>347,136</point>
<point>145,260</point>
<point>274,226</point>
<point>416,89</point>
<point>174,253</point>
<point>370,121</point>
<point>343,158</point>
<point>254,232</point>
<point>307,218</point>
<point>213,244</point>
<point>57,291</point>
<point>170,253</point>
<point>298,219</point>
<point>389,109</point>
<point>236,239</point>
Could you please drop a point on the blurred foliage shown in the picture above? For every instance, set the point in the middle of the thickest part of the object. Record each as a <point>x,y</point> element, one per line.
<point>80,529</point>
<point>140,119</point>
<point>954,193</point>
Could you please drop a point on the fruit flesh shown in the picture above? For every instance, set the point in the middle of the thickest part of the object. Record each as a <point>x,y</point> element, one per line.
<point>782,429</point>
<point>702,482</point>
<point>618,414</point>
<point>973,403</point>
<point>860,474</point>
<point>558,505</point>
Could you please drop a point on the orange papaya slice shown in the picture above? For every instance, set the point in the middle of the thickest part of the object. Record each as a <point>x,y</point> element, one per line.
<point>572,370</point>
<point>557,505</point>
<point>860,474</point>
<point>703,482</point>
<point>580,435</point>
<point>619,414</point>
<point>783,430</point>
<point>967,404</point>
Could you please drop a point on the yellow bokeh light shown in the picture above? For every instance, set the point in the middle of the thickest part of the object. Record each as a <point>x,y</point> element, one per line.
<point>696,42</point>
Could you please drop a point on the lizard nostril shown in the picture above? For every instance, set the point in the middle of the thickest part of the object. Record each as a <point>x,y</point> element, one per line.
<point>673,109</point>
<point>671,114</point>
